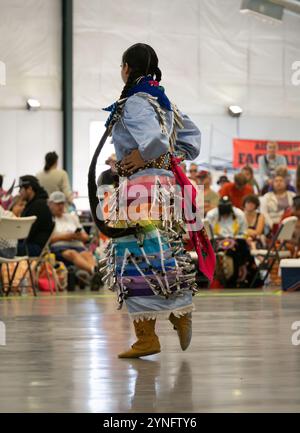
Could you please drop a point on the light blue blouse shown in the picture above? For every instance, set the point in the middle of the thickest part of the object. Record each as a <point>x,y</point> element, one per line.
<point>139,128</point>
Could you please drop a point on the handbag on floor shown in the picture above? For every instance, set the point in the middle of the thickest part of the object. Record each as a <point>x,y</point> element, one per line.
<point>51,276</point>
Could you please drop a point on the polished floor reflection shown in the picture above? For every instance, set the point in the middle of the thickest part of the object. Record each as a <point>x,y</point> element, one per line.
<point>61,356</point>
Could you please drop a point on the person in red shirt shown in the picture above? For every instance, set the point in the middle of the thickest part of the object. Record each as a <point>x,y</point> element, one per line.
<point>237,190</point>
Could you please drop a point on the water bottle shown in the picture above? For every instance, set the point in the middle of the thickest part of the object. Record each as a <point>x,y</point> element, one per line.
<point>24,287</point>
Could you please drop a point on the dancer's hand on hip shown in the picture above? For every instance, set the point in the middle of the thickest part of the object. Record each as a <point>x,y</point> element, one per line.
<point>133,161</point>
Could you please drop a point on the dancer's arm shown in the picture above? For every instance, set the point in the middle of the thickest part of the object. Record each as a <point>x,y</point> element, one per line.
<point>188,139</point>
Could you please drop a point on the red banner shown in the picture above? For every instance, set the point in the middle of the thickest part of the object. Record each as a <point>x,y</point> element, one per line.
<point>247,152</point>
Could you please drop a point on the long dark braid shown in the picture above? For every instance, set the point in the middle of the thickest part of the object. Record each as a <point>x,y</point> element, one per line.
<point>131,81</point>
<point>142,60</point>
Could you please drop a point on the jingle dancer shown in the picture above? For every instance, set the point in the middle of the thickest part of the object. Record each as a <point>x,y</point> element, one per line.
<point>146,261</point>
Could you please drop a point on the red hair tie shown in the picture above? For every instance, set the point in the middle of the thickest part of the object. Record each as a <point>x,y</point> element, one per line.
<point>154,83</point>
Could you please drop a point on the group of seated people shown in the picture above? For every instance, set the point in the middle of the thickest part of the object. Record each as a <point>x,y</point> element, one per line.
<point>242,213</point>
<point>245,214</point>
<point>54,225</point>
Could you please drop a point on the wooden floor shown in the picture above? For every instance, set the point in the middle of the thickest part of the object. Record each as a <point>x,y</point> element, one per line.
<point>61,356</point>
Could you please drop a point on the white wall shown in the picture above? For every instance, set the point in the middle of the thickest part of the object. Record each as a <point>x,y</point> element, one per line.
<point>25,138</point>
<point>2,74</point>
<point>30,46</point>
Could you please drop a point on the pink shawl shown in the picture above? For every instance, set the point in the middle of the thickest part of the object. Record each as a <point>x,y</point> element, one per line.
<point>198,239</point>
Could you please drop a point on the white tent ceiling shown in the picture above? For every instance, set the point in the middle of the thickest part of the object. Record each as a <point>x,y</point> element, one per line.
<point>211,55</point>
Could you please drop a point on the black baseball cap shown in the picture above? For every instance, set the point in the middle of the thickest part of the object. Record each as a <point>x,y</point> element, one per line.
<point>223,179</point>
<point>28,180</point>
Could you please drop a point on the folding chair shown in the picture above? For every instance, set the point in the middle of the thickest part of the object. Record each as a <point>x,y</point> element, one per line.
<point>16,229</point>
<point>42,259</point>
<point>275,251</point>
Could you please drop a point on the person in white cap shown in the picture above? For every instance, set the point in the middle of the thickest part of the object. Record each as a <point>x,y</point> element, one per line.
<point>68,240</point>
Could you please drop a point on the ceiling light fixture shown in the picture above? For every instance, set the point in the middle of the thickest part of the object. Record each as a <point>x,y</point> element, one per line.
<point>33,104</point>
<point>235,110</point>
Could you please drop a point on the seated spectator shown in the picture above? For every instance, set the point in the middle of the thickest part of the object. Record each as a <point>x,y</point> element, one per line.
<point>295,211</point>
<point>8,248</point>
<point>222,181</point>
<point>68,239</point>
<point>275,203</point>
<point>237,190</point>
<point>211,198</point>
<point>235,265</point>
<point>255,221</point>
<point>247,171</point>
<point>193,172</point>
<point>283,171</point>
<point>53,178</point>
<point>267,165</point>
<point>36,205</point>
<point>17,206</point>
<point>226,220</point>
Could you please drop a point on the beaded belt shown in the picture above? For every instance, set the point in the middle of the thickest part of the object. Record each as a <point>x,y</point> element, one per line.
<point>162,162</point>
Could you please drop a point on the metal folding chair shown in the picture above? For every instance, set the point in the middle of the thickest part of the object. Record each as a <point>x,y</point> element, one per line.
<point>16,229</point>
<point>42,259</point>
<point>276,251</point>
